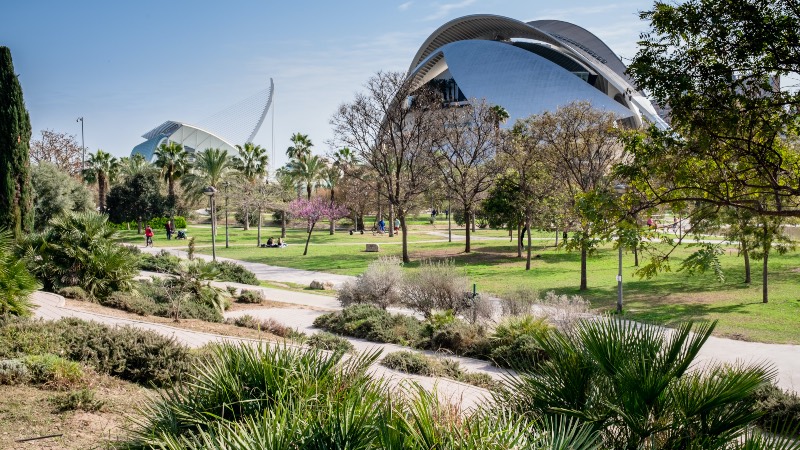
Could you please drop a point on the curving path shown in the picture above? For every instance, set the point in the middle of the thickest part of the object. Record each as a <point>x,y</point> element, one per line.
<point>52,307</point>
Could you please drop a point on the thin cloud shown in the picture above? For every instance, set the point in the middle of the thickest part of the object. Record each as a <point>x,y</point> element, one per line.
<point>444,9</point>
<point>405,6</point>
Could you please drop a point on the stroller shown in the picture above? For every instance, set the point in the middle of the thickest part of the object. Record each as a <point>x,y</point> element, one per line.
<point>181,234</point>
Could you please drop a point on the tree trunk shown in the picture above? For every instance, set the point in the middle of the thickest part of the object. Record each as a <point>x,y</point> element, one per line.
<point>519,240</point>
<point>510,233</point>
<point>556,237</point>
<point>259,226</point>
<point>101,192</point>
<point>636,255</point>
<point>472,220</point>
<point>283,224</point>
<point>584,283</point>
<point>403,227</point>
<point>391,220</point>
<point>767,247</point>
<point>528,226</point>
<point>246,218</point>
<point>746,254</point>
<point>467,217</point>
<point>139,225</point>
<point>333,222</point>
<point>308,238</point>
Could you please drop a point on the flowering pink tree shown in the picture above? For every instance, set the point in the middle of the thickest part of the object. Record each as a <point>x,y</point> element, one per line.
<point>315,209</point>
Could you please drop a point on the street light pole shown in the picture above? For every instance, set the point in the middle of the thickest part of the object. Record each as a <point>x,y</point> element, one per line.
<point>210,191</point>
<point>83,147</point>
<point>225,185</point>
<point>620,189</point>
<point>449,226</point>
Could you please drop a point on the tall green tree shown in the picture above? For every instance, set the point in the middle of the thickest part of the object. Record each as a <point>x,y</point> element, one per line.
<point>137,198</point>
<point>300,148</point>
<point>732,142</point>
<point>16,195</point>
<point>209,168</point>
<point>308,173</point>
<point>56,192</point>
<point>173,160</point>
<point>252,164</point>
<point>101,168</point>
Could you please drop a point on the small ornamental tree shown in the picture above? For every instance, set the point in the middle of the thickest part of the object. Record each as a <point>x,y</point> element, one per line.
<point>315,209</point>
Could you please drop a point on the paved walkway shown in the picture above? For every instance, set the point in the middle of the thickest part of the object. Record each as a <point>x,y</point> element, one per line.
<point>52,307</point>
<point>785,358</point>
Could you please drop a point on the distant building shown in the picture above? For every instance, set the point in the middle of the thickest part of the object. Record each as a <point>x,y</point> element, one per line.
<point>527,68</point>
<point>236,124</point>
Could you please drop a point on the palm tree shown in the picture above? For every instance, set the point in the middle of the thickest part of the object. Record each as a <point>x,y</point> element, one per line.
<point>173,160</point>
<point>308,172</point>
<point>101,168</point>
<point>209,167</point>
<point>16,282</point>
<point>301,148</point>
<point>252,165</point>
<point>130,166</point>
<point>331,174</point>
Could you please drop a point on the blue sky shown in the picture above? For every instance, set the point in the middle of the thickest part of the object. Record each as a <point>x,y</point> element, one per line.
<point>129,66</point>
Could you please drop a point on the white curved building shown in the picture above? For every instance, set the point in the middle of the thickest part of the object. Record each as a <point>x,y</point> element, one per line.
<point>527,68</point>
<point>236,124</point>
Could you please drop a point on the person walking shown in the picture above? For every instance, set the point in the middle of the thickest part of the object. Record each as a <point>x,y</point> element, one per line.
<point>168,226</point>
<point>396,225</point>
<point>148,236</point>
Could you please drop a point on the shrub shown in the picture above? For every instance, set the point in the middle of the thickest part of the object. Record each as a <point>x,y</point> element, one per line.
<point>269,325</point>
<point>436,286</point>
<point>373,324</point>
<point>141,356</point>
<point>74,293</point>
<point>13,371</point>
<point>230,271</point>
<point>515,342</point>
<point>130,302</point>
<point>80,249</point>
<point>479,379</point>
<point>162,262</point>
<point>781,409</point>
<point>329,341</point>
<point>461,338</point>
<point>17,282</point>
<point>53,370</point>
<point>20,337</point>
<point>160,223</point>
<point>564,311</point>
<point>409,362</point>
<point>247,296</point>
<point>83,399</point>
<point>379,285</point>
<point>519,301</point>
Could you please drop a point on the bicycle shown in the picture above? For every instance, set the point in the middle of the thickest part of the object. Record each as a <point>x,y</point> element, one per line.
<point>376,231</point>
<point>148,241</point>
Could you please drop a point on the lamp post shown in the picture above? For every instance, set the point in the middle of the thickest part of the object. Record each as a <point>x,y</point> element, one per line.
<point>83,147</point>
<point>620,190</point>
<point>210,192</point>
<point>449,225</point>
<point>225,185</point>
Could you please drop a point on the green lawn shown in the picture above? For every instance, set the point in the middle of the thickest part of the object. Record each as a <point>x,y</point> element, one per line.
<point>668,298</point>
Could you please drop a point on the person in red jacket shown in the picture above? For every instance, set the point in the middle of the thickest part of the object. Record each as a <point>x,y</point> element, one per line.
<point>148,236</point>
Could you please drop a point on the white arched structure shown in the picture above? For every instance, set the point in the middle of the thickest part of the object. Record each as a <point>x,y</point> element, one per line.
<point>527,68</point>
<point>236,124</point>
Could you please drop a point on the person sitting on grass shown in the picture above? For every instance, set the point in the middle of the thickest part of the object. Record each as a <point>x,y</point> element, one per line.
<point>281,244</point>
<point>270,242</point>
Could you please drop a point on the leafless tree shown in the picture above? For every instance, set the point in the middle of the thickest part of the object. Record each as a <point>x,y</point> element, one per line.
<point>465,153</point>
<point>583,145</point>
<point>390,128</point>
<point>59,148</point>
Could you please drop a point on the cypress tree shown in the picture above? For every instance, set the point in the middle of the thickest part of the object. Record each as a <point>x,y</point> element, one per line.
<point>16,205</point>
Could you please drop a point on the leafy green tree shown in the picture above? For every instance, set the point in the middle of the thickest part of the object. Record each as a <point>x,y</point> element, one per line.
<point>503,208</point>
<point>137,198</point>
<point>16,194</point>
<point>582,145</point>
<point>308,173</point>
<point>16,282</point>
<point>733,142</point>
<point>56,192</point>
<point>130,166</point>
<point>101,168</point>
<point>81,249</point>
